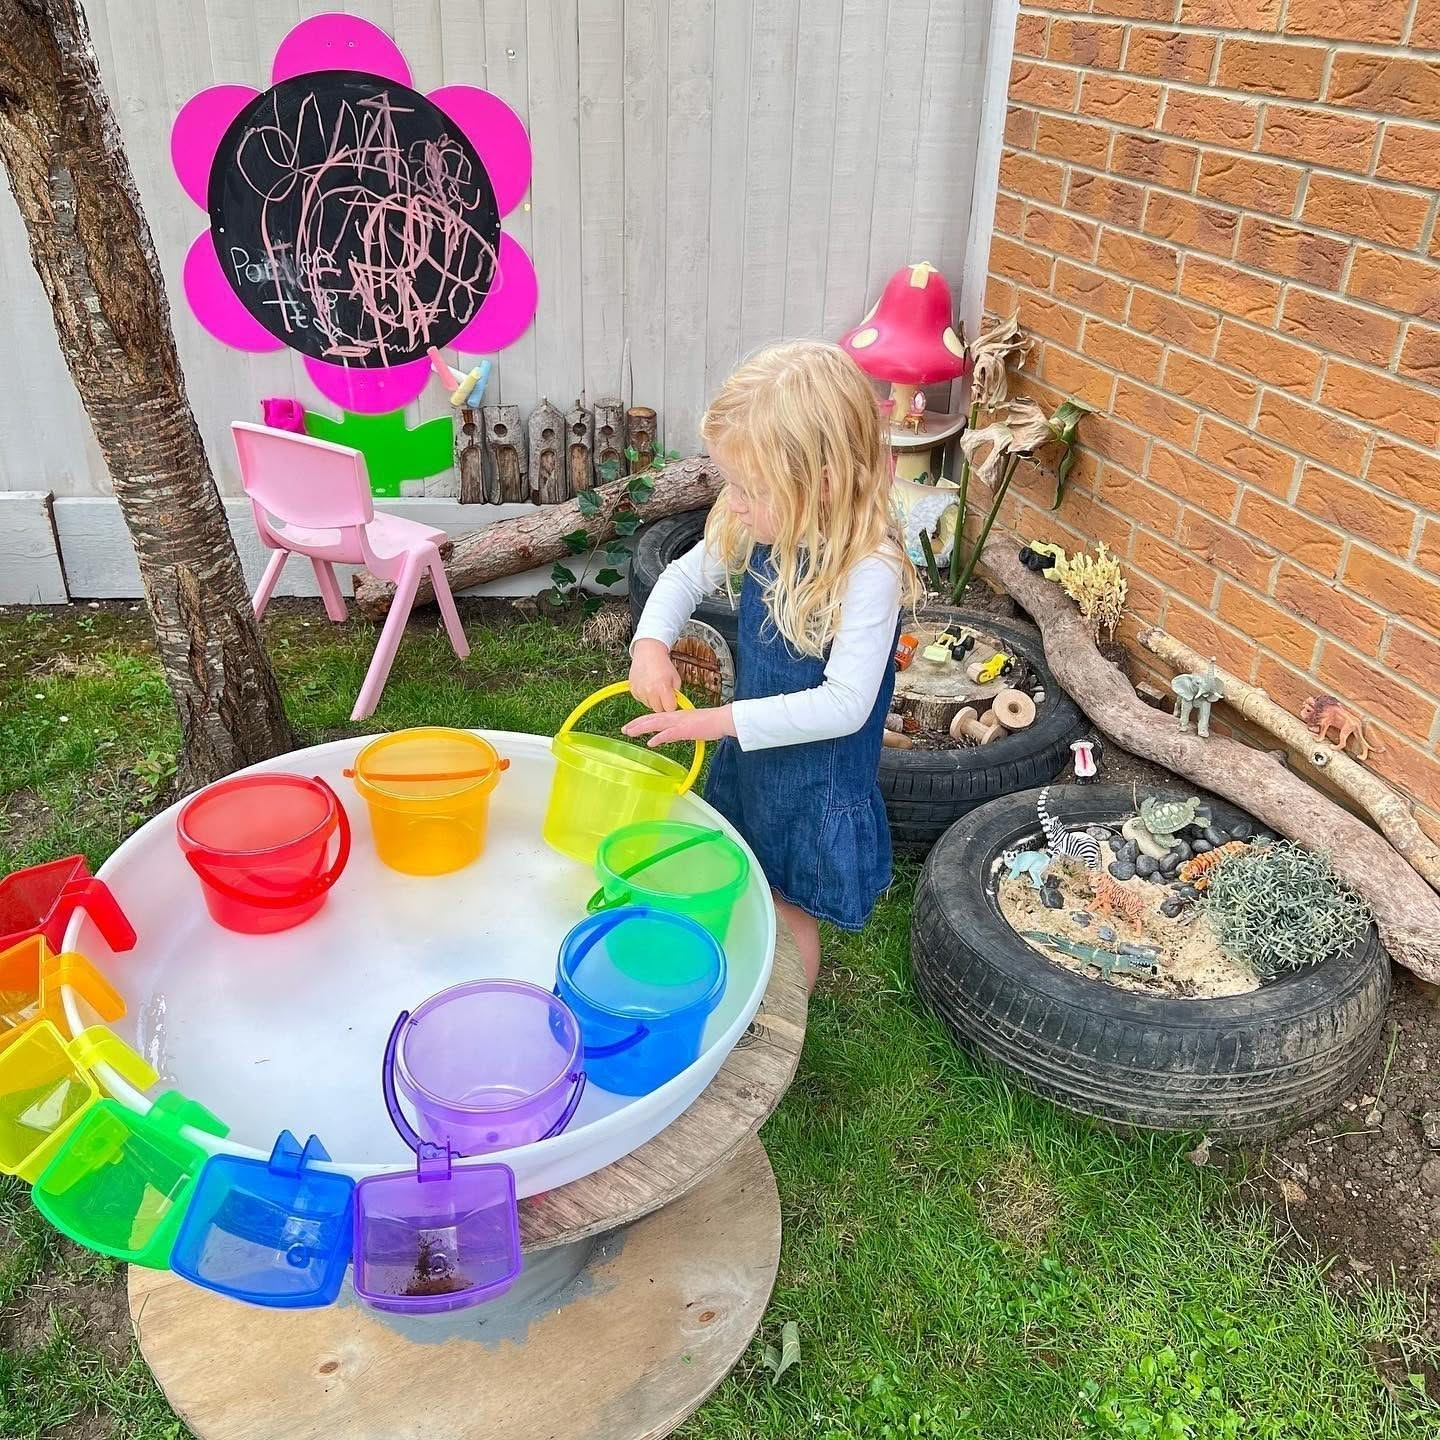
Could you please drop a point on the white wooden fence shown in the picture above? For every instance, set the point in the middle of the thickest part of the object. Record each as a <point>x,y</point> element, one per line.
<point>709,175</point>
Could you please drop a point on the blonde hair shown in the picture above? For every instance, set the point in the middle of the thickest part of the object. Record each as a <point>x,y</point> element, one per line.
<point>799,423</point>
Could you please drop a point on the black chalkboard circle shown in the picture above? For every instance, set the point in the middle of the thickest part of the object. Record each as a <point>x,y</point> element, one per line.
<point>353,219</point>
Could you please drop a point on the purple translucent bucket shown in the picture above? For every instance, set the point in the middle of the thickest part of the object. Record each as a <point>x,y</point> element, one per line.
<point>489,1065</point>
<point>441,1237</point>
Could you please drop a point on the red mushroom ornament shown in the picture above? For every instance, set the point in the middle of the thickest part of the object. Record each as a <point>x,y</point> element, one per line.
<point>907,337</point>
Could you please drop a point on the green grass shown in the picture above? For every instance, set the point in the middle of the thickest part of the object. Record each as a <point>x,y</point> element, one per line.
<point>960,1260</point>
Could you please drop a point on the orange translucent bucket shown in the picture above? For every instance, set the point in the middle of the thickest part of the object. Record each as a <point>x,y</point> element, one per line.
<point>428,793</point>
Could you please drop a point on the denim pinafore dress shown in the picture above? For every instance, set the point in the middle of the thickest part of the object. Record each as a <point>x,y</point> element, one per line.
<point>812,813</point>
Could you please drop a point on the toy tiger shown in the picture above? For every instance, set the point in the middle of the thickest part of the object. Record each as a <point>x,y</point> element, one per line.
<point>1113,899</point>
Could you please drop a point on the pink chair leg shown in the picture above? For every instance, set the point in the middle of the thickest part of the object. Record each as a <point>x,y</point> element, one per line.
<point>268,581</point>
<point>448,613</point>
<point>389,642</point>
<point>329,590</point>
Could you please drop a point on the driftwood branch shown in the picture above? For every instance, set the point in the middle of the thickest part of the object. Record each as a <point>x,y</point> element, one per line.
<point>509,547</point>
<point>1384,805</point>
<point>1406,910</point>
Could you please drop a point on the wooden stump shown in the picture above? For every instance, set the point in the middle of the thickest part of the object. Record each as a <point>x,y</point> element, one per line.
<point>475,486</point>
<point>640,429</point>
<point>627,1351</point>
<point>609,439</point>
<point>579,446</point>
<point>549,484</point>
<point>505,441</point>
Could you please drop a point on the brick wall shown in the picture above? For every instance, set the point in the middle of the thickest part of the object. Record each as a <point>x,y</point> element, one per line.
<point>1218,219</point>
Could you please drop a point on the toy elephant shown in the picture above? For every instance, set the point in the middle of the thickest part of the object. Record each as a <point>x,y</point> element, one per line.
<point>1197,692</point>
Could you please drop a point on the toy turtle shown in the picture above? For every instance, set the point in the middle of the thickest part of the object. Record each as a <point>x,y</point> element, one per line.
<point>1160,821</point>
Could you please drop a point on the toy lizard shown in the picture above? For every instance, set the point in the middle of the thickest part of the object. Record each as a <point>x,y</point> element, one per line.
<point>1323,713</point>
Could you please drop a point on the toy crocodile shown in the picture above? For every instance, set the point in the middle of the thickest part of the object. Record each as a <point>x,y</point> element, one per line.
<point>1139,960</point>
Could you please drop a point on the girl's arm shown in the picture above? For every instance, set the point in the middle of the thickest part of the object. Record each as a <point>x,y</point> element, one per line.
<point>681,587</point>
<point>864,646</point>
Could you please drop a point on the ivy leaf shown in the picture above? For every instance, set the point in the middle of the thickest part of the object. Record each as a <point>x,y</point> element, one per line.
<point>591,605</point>
<point>632,454</point>
<point>616,553</point>
<point>640,489</point>
<point>556,597</point>
<point>589,501</point>
<point>561,576</point>
<point>608,577</point>
<point>577,542</point>
<point>627,522</point>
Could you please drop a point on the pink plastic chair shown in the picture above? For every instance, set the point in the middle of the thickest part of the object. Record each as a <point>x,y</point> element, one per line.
<point>312,498</point>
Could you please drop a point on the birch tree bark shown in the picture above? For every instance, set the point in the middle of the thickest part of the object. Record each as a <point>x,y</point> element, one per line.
<point>92,249</point>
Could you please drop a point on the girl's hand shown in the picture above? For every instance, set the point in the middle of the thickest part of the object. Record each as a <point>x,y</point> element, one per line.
<point>683,726</point>
<point>654,680</point>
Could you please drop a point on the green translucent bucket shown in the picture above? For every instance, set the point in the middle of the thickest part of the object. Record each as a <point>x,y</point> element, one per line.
<point>669,865</point>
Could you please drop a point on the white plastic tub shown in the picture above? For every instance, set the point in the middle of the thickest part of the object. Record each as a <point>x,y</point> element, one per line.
<point>286,1031</point>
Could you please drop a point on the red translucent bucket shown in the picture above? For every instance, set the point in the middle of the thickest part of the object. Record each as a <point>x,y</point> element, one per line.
<point>259,845</point>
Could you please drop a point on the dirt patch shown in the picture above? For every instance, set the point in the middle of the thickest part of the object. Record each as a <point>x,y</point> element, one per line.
<point>1016,1201</point>
<point>93,1310</point>
<point>1362,1185</point>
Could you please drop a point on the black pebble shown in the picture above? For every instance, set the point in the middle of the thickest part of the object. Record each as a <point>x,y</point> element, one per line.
<point>1171,863</point>
<point>1080,917</point>
<point>1215,835</point>
<point>1242,830</point>
<point>1189,892</point>
<point>1053,899</point>
<point>1144,865</point>
<point>1122,872</point>
<point>1201,846</point>
<point>1156,879</point>
<point>1098,832</point>
<point>1106,933</point>
<point>1184,849</point>
<point>1128,851</point>
<point>1170,908</point>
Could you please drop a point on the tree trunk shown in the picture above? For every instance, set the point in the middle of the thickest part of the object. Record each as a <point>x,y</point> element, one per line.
<point>1406,910</point>
<point>91,247</point>
<point>511,546</point>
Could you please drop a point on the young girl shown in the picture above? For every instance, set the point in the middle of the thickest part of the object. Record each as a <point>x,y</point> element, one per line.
<point>805,514</point>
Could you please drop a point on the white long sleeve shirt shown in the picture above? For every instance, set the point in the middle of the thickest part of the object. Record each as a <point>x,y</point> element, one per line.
<point>864,645</point>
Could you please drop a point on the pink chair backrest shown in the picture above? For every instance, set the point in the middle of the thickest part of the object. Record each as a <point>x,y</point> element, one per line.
<point>301,481</point>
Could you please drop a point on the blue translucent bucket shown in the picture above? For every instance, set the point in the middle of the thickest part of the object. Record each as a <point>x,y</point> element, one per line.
<point>641,1026</point>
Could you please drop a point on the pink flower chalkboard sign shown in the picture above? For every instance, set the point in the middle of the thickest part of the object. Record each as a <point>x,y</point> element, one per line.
<point>353,219</point>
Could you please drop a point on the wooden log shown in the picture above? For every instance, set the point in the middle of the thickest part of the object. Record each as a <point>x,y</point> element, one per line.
<point>470,461</point>
<point>505,442</point>
<point>1406,910</point>
<point>510,546</point>
<point>609,439</point>
<point>640,428</point>
<point>579,447</point>
<point>929,711</point>
<point>549,484</point>
<point>1385,806</point>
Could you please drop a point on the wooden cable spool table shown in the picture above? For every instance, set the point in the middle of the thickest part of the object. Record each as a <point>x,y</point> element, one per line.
<point>643,1285</point>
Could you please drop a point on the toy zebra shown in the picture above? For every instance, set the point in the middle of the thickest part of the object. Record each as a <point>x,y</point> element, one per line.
<point>1066,844</point>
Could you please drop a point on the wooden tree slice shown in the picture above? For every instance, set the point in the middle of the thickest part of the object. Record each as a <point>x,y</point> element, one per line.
<point>628,1351</point>
<point>705,662</point>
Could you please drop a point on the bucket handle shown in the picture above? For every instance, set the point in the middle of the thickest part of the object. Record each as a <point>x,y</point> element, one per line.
<point>622,687</point>
<point>598,902</point>
<point>98,1045</point>
<point>94,897</point>
<point>425,1149</point>
<point>73,969</point>
<point>618,1047</point>
<point>312,891</point>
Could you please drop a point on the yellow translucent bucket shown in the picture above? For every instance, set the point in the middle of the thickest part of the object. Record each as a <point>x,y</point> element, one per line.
<point>601,784</point>
<point>47,1083</point>
<point>428,793</point>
